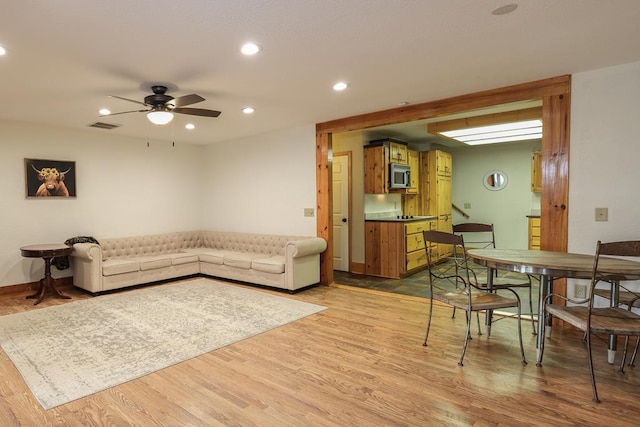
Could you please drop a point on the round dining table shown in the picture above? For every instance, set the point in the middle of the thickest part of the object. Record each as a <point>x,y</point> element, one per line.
<point>551,265</point>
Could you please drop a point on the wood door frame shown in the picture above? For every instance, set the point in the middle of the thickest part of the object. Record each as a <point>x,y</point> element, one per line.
<point>555,94</point>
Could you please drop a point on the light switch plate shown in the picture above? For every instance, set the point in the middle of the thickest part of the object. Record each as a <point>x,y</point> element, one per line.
<point>602,214</point>
<point>309,212</point>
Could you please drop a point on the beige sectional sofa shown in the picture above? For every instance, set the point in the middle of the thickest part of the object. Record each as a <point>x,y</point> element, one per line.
<point>284,262</point>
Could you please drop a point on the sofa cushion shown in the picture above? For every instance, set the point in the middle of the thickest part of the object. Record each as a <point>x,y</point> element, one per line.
<point>183,258</point>
<point>274,264</point>
<point>212,256</point>
<point>240,259</point>
<point>114,266</point>
<point>154,262</point>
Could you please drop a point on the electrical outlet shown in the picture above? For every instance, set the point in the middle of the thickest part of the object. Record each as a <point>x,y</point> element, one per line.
<point>602,214</point>
<point>579,291</point>
<point>309,212</point>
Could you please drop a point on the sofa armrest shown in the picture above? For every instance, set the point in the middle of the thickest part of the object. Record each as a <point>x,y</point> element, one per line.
<point>89,251</point>
<point>87,266</point>
<point>310,246</point>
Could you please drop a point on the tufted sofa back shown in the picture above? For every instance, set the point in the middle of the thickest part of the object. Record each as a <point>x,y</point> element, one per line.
<point>238,242</point>
<point>138,246</point>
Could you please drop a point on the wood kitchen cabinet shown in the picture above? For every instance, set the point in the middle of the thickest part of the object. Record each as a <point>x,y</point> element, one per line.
<point>534,233</point>
<point>438,165</point>
<point>536,172</point>
<point>394,249</point>
<point>378,155</point>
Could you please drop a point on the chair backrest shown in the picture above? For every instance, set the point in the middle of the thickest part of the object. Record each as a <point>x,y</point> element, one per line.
<point>459,257</point>
<point>620,249</point>
<point>484,239</point>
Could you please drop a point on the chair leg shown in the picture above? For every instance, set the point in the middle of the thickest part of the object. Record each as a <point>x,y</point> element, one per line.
<point>466,338</point>
<point>479,327</point>
<point>453,314</point>
<point>632,361</point>
<point>593,377</point>
<point>624,355</point>
<point>426,337</point>
<point>524,359</point>
<point>533,322</point>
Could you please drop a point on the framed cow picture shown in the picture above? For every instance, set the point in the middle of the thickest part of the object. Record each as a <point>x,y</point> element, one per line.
<point>50,178</point>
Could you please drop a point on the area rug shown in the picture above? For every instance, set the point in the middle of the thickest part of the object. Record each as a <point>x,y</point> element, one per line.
<point>73,350</point>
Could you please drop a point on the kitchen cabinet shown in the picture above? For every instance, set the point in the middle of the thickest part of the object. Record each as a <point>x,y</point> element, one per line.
<point>438,165</point>
<point>534,233</point>
<point>536,172</point>
<point>378,155</point>
<point>376,170</point>
<point>398,153</point>
<point>394,249</point>
<point>414,163</point>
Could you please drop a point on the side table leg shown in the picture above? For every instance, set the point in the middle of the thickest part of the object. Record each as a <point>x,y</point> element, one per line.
<point>39,295</point>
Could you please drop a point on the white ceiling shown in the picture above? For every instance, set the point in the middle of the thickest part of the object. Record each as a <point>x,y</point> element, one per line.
<point>64,57</point>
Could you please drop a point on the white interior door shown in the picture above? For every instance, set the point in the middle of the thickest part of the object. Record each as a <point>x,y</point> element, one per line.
<point>341,186</point>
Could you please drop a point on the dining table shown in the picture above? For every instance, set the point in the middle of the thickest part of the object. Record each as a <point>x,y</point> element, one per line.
<point>550,265</point>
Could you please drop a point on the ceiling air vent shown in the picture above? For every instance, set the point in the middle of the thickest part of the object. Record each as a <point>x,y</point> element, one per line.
<point>103,125</point>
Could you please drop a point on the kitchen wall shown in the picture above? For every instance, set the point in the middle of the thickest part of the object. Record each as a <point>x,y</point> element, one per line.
<point>506,209</point>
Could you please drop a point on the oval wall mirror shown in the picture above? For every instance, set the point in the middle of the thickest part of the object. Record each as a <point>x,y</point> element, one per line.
<point>495,180</point>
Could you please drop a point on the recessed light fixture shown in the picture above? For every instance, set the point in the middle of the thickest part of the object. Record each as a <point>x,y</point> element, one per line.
<point>503,10</point>
<point>250,48</point>
<point>248,110</point>
<point>340,86</point>
<point>516,131</point>
<point>190,126</point>
<point>403,103</point>
<point>3,51</point>
<point>104,111</point>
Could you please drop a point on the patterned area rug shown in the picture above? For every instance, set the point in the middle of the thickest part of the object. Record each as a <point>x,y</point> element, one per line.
<point>73,350</point>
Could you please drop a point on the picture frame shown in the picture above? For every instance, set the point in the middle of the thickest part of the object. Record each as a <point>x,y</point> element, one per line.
<point>46,179</point>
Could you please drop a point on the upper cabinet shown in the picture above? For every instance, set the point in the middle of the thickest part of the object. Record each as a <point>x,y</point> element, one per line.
<point>378,155</point>
<point>398,153</point>
<point>536,172</point>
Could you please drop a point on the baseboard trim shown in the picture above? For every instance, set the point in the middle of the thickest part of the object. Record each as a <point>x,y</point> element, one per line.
<point>63,282</point>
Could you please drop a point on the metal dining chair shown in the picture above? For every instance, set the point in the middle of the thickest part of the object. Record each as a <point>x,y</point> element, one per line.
<point>482,236</point>
<point>469,295</point>
<point>596,321</point>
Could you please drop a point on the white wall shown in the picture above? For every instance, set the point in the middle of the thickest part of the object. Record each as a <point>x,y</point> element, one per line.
<point>604,166</point>
<point>507,208</point>
<point>123,188</point>
<point>262,184</point>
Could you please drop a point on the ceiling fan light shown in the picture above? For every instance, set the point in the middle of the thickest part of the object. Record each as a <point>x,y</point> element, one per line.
<point>160,117</point>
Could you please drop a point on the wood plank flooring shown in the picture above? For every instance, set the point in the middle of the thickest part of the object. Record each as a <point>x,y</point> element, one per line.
<point>359,363</point>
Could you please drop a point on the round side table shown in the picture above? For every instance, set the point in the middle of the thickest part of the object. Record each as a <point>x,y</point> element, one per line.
<point>47,252</point>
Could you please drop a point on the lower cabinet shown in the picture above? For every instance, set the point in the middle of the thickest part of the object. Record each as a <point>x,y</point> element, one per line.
<point>394,248</point>
<point>534,233</point>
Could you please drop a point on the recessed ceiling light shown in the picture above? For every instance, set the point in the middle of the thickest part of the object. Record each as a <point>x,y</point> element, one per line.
<point>104,111</point>
<point>250,48</point>
<point>248,110</point>
<point>190,126</point>
<point>3,51</point>
<point>503,10</point>
<point>340,86</point>
<point>403,103</point>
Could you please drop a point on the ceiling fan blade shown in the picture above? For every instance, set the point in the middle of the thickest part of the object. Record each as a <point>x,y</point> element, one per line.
<point>197,112</point>
<point>124,112</point>
<point>181,101</point>
<point>127,99</point>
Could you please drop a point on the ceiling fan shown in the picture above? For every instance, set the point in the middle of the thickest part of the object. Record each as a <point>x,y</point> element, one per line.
<point>162,106</point>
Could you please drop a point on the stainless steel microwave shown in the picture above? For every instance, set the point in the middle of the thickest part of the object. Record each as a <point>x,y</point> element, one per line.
<point>399,176</point>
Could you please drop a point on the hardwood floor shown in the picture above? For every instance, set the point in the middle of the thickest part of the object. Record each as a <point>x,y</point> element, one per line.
<point>359,363</point>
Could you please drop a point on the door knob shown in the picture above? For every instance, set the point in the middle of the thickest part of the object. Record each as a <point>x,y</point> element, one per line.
<point>344,219</point>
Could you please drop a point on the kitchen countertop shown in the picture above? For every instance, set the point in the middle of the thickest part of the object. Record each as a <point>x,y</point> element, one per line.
<point>403,219</point>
